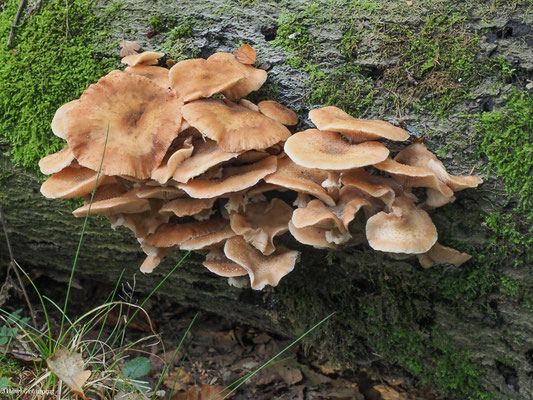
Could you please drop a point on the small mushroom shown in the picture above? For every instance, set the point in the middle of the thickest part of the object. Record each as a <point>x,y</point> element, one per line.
<point>73,182</point>
<point>278,112</point>
<point>56,162</point>
<point>440,254</point>
<point>144,58</point>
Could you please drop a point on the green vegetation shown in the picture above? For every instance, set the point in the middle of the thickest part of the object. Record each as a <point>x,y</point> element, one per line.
<point>53,59</point>
<point>179,44</point>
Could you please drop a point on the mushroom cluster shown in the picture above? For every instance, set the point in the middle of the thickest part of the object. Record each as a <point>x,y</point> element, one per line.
<point>185,162</point>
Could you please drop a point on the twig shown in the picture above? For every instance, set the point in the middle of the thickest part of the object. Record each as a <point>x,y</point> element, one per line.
<point>14,265</point>
<point>15,22</point>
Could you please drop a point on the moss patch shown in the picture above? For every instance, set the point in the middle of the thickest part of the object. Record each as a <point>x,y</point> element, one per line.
<point>53,60</point>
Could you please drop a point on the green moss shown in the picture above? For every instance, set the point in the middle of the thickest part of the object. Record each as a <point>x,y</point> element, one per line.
<point>179,43</point>
<point>53,59</point>
<point>507,142</point>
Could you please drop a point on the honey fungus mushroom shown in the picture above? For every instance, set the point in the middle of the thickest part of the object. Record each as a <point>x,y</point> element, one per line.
<point>184,170</point>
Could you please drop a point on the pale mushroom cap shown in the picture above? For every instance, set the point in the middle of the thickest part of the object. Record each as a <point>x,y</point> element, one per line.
<point>72,182</point>
<point>186,206</point>
<point>252,81</point>
<point>407,229</point>
<point>440,254</point>
<point>300,179</point>
<point>278,112</point>
<point>211,239</point>
<point>263,270</point>
<point>234,179</point>
<point>316,214</point>
<point>157,74</point>
<point>142,119</point>
<point>234,127</point>
<point>58,122</point>
<point>356,130</point>
<point>197,78</point>
<point>171,162</point>
<point>372,185</point>
<point>56,162</point>
<point>146,58</point>
<point>328,150</point>
<point>169,235</point>
<point>261,222</point>
<point>159,192</point>
<point>206,154</point>
<point>248,104</point>
<point>142,224</point>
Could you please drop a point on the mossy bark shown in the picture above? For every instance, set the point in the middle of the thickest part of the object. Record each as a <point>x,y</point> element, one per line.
<point>465,331</point>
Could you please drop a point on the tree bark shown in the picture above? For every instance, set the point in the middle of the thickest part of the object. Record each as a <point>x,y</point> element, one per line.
<point>452,328</point>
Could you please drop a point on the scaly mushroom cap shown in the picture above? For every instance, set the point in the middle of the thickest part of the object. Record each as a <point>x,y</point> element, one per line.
<point>263,270</point>
<point>206,154</point>
<point>145,58</point>
<point>72,182</point>
<point>252,81</point>
<point>58,122</point>
<point>328,150</point>
<point>128,203</point>
<point>217,262</point>
<point>417,155</point>
<point>307,180</point>
<point>278,112</point>
<point>234,127</point>
<point>233,179</point>
<point>197,78</point>
<point>186,207</point>
<point>406,229</point>
<point>409,176</point>
<point>56,162</point>
<point>356,130</point>
<point>169,235</point>
<point>261,222</point>
<point>142,119</point>
<point>440,254</point>
<point>157,74</point>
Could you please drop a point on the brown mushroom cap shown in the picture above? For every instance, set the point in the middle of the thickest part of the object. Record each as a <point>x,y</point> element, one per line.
<point>278,112</point>
<point>206,154</point>
<point>73,182</point>
<point>209,240</point>
<point>56,162</point>
<point>252,81</point>
<point>356,130</point>
<point>217,262</point>
<point>186,206</point>
<point>197,78</point>
<point>159,192</point>
<point>248,104</point>
<point>263,270</point>
<point>157,74</point>
<point>312,236</point>
<point>146,58</point>
<point>375,186</point>
<point>58,122</point>
<point>440,254</point>
<point>406,229</point>
<point>261,222</point>
<point>300,179</point>
<point>316,214</point>
<point>141,224</point>
<point>409,176</point>
<point>233,179</point>
<point>234,127</point>
<point>142,119</point>
<point>328,150</point>
<point>169,235</point>
<point>172,160</point>
<point>417,155</point>
<point>128,203</point>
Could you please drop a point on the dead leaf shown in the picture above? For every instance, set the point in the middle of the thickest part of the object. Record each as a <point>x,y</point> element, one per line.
<point>203,392</point>
<point>177,377</point>
<point>69,368</point>
<point>245,54</point>
<point>409,3</point>
<point>128,48</point>
<point>388,393</point>
<point>290,375</point>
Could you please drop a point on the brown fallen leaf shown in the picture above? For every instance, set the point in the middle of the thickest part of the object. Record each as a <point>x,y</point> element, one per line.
<point>128,48</point>
<point>69,368</point>
<point>179,375</point>
<point>388,393</point>
<point>290,375</point>
<point>203,392</point>
<point>245,54</point>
